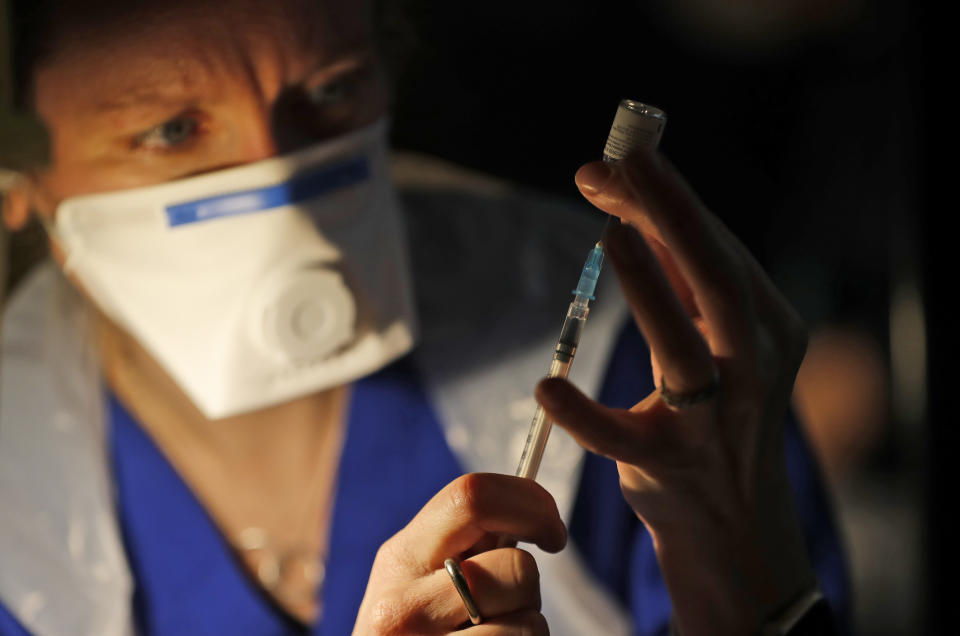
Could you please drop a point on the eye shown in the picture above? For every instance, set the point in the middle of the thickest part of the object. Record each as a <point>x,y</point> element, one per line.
<point>323,107</point>
<point>170,134</point>
<point>331,93</point>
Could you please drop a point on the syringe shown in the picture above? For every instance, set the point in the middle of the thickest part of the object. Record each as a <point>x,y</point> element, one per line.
<point>562,359</point>
<point>634,125</point>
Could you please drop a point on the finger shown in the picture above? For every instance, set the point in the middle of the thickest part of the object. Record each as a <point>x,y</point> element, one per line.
<point>501,582</point>
<point>681,353</point>
<point>522,623</point>
<point>711,265</point>
<point>673,274</point>
<point>489,542</point>
<point>600,196</point>
<point>680,286</point>
<point>772,306</point>
<point>643,189</point>
<point>613,433</point>
<point>472,506</point>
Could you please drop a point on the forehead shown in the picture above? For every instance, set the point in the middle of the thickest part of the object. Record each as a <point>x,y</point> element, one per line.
<point>179,46</point>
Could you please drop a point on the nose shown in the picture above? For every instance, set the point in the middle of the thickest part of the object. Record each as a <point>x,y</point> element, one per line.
<point>257,140</point>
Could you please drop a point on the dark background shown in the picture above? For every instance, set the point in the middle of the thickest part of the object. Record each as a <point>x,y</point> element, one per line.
<point>807,149</point>
<point>811,144</point>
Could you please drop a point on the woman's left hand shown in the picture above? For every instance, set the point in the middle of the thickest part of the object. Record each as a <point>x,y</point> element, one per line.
<point>708,479</point>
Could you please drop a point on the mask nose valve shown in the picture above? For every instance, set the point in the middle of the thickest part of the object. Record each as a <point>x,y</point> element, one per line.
<point>309,318</point>
<point>305,316</point>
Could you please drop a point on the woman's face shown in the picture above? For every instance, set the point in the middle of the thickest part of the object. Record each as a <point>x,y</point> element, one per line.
<point>186,88</point>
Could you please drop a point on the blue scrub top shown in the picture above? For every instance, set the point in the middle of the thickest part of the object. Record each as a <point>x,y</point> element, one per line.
<point>395,458</point>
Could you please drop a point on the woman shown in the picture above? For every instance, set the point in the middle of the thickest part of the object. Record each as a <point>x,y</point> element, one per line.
<point>210,162</point>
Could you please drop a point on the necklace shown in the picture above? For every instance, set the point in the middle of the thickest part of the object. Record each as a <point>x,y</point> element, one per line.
<point>292,569</point>
<point>294,575</point>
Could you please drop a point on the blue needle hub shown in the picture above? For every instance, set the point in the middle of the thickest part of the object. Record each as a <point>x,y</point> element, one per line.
<point>591,272</point>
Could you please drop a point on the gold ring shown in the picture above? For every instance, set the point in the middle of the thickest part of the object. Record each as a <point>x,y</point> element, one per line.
<point>460,582</point>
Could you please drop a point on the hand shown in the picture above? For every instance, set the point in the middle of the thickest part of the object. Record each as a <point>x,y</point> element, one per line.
<point>410,592</point>
<point>709,480</point>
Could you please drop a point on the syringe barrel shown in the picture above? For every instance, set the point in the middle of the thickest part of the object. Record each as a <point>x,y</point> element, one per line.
<point>536,443</point>
<point>540,426</point>
<point>571,331</point>
<point>563,355</point>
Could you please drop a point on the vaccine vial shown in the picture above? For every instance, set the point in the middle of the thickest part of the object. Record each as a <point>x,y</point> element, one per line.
<point>635,125</point>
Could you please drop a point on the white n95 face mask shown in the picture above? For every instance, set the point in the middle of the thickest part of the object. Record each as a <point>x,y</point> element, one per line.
<point>256,284</point>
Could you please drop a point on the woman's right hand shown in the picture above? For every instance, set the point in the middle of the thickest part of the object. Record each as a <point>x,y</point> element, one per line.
<point>410,592</point>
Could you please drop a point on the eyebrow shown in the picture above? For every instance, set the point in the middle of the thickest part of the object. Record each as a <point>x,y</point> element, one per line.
<point>176,95</point>
<point>147,97</point>
<point>164,87</point>
<point>344,63</point>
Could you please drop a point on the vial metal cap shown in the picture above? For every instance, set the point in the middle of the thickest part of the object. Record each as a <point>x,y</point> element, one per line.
<point>636,125</point>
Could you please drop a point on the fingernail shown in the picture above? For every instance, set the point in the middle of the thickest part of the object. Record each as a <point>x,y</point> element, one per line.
<point>593,177</point>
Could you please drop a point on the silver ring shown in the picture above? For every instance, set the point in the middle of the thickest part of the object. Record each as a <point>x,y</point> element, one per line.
<point>460,582</point>
<point>686,400</point>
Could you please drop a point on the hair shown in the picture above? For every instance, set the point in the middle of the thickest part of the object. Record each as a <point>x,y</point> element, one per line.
<point>30,26</point>
<point>38,26</point>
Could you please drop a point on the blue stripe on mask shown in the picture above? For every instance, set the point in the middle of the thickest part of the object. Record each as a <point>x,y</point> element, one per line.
<point>297,189</point>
